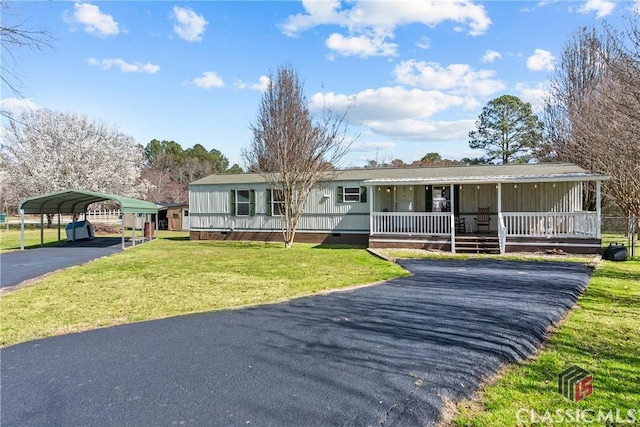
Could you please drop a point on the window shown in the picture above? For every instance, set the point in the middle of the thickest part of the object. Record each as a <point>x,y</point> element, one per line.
<point>352,194</point>
<point>275,202</point>
<point>175,216</point>
<point>243,202</point>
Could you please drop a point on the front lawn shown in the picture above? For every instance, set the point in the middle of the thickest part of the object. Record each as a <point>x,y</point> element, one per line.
<point>601,335</point>
<point>170,277</point>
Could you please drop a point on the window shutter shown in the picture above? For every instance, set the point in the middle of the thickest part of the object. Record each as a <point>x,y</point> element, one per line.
<point>363,194</point>
<point>233,203</point>
<point>252,203</point>
<point>340,195</point>
<point>456,199</point>
<point>269,202</point>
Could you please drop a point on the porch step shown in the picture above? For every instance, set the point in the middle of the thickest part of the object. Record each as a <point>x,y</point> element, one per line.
<point>478,244</point>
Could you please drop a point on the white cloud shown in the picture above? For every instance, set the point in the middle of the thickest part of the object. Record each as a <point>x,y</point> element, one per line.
<point>636,7</point>
<point>371,146</point>
<point>261,86</point>
<point>15,107</point>
<point>457,78</point>
<point>125,67</point>
<point>541,60</point>
<point>424,130</point>
<point>389,103</point>
<point>377,20</point>
<point>189,25</point>
<point>533,95</point>
<point>362,46</point>
<point>425,42</point>
<point>208,80</point>
<point>93,20</point>
<point>386,16</point>
<point>490,56</point>
<point>601,7</point>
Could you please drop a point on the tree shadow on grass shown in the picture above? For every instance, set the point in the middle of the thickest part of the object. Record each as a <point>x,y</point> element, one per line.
<point>176,239</point>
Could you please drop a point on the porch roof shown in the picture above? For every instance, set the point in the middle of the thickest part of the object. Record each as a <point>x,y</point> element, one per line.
<point>491,179</point>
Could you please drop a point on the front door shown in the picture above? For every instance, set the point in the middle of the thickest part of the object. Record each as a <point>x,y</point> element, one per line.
<point>404,199</point>
<point>185,219</point>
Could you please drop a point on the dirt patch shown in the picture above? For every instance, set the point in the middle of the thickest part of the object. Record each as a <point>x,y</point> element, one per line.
<point>100,229</point>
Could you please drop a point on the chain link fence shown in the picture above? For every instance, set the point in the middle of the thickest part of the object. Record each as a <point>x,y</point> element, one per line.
<point>621,229</point>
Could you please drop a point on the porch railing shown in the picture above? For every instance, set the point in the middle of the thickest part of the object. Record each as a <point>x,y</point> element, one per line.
<point>551,224</point>
<point>411,223</point>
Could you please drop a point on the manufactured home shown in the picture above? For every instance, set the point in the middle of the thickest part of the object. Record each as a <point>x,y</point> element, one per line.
<point>483,208</point>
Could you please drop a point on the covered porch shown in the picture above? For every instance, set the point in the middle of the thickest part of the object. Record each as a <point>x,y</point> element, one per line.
<point>501,215</point>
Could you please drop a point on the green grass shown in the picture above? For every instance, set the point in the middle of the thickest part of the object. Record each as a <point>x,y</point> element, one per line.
<point>601,335</point>
<point>170,277</point>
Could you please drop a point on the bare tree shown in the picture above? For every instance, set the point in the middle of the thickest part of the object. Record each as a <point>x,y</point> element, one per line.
<point>48,151</point>
<point>290,149</point>
<point>591,115</point>
<point>17,36</point>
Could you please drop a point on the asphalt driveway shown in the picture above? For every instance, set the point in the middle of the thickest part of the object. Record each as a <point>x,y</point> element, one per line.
<point>385,355</point>
<point>18,266</point>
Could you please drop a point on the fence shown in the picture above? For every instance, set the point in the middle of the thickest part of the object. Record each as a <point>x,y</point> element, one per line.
<point>621,229</point>
<point>104,215</point>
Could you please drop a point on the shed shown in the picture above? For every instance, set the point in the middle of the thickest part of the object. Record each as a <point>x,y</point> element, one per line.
<point>173,216</point>
<point>75,202</point>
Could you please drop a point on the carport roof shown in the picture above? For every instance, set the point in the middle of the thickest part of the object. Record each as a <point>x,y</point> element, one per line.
<point>76,201</point>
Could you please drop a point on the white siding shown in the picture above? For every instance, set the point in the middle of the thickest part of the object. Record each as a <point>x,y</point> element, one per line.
<point>210,205</point>
<point>210,208</point>
<point>527,197</point>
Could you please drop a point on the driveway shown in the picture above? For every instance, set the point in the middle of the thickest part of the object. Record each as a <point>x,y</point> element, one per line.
<point>18,266</point>
<point>389,355</point>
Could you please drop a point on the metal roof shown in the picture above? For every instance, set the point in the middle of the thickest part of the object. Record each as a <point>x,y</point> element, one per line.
<point>76,201</point>
<point>527,172</point>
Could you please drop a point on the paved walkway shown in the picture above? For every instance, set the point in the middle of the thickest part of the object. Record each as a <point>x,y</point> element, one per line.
<point>388,355</point>
<point>18,266</point>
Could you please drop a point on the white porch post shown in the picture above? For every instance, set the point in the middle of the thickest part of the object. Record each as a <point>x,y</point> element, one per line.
<point>598,209</point>
<point>372,192</point>
<point>453,219</point>
<point>499,198</point>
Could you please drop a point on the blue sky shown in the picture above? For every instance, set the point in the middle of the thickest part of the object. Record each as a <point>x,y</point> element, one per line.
<point>414,74</point>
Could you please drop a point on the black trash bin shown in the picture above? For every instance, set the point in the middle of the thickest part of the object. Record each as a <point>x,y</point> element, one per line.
<point>616,252</point>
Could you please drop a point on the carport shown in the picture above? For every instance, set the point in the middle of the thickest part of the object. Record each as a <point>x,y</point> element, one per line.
<point>74,202</point>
